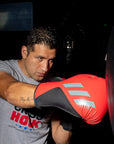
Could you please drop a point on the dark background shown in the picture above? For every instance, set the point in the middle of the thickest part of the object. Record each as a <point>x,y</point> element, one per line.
<point>88,44</point>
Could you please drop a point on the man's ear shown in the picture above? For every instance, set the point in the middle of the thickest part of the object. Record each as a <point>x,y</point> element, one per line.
<point>24,52</point>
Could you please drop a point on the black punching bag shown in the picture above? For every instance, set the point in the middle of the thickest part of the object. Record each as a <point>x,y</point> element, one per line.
<point>110,77</point>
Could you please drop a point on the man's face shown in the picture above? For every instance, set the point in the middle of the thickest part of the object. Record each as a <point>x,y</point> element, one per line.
<point>38,63</point>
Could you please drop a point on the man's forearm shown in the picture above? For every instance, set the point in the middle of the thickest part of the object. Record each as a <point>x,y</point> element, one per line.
<point>61,136</point>
<point>21,94</point>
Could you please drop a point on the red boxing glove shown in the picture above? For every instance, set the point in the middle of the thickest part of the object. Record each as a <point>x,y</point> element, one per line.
<point>83,96</point>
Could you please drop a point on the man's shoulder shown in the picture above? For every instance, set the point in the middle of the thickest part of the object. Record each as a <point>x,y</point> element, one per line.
<point>7,65</point>
<point>8,62</point>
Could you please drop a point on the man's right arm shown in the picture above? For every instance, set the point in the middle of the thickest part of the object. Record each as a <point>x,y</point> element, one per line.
<point>17,93</point>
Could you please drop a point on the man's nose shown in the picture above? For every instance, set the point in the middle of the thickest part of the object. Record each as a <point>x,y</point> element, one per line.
<point>45,66</point>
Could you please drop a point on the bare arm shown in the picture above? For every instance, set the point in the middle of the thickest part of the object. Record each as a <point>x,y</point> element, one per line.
<point>59,135</point>
<point>15,92</point>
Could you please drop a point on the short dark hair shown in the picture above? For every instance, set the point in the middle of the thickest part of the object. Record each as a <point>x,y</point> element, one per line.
<point>41,35</point>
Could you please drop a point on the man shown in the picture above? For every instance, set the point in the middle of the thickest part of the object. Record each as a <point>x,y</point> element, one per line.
<point>20,122</point>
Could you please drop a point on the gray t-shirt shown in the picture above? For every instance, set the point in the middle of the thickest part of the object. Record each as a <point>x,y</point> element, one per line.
<point>18,125</point>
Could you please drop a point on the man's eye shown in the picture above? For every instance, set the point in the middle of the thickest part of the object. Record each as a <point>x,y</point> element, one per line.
<point>40,58</point>
<point>51,60</point>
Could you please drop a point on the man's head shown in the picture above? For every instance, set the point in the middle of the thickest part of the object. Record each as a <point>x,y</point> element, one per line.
<point>45,36</point>
<point>38,53</point>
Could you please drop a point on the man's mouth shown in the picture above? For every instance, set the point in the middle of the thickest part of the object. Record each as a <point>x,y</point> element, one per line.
<point>41,74</point>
